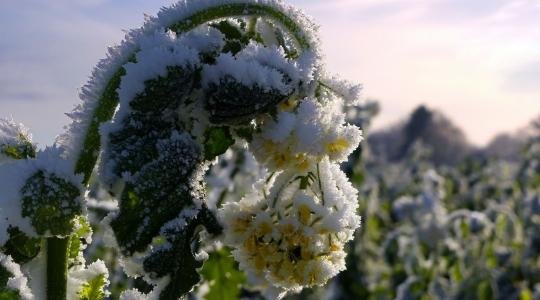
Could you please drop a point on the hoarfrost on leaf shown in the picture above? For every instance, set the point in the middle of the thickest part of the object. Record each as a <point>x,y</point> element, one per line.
<point>13,283</point>
<point>15,141</point>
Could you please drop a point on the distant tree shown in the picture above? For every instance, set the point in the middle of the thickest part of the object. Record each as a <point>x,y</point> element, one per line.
<point>415,128</point>
<point>505,146</point>
<point>435,131</point>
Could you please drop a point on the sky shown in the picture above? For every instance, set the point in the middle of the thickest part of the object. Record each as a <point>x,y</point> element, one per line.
<point>478,61</point>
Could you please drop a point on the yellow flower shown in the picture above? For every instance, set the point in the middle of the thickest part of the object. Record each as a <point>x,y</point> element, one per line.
<point>260,263</point>
<point>337,146</point>
<point>265,228</point>
<point>281,159</point>
<point>269,146</point>
<point>299,277</point>
<point>323,230</point>
<point>242,224</point>
<point>302,163</point>
<point>289,104</point>
<point>313,275</point>
<point>304,214</point>
<point>250,244</point>
<point>306,254</point>
<point>284,269</point>
<point>287,229</point>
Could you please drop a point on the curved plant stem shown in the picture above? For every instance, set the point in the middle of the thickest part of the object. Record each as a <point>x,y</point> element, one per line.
<point>57,260</point>
<point>252,26</point>
<point>107,104</point>
<point>243,9</point>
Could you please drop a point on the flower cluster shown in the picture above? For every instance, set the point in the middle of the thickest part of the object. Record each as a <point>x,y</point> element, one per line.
<point>289,232</point>
<point>292,235</point>
<point>302,134</point>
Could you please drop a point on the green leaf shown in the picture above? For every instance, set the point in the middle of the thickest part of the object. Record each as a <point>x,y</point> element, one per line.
<point>159,193</point>
<point>104,111</point>
<point>177,259</point>
<point>22,149</point>
<point>526,294</point>
<point>464,229</point>
<point>78,238</point>
<point>20,247</point>
<point>4,276</point>
<point>162,163</point>
<point>159,159</point>
<point>135,144</point>
<point>8,294</point>
<point>398,276</point>
<point>374,225</point>
<point>456,273</point>
<point>230,31</point>
<point>501,224</point>
<point>235,38</point>
<point>491,258</point>
<point>290,53</point>
<point>14,152</point>
<point>217,141</point>
<point>5,292</point>
<point>245,132</point>
<point>51,203</point>
<point>484,291</point>
<point>223,276</point>
<point>232,103</point>
<point>93,289</point>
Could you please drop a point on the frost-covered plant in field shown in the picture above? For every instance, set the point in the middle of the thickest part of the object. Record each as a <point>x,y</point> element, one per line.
<point>157,116</point>
<point>469,231</point>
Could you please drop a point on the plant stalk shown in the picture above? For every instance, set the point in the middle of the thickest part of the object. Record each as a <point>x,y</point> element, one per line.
<point>57,261</point>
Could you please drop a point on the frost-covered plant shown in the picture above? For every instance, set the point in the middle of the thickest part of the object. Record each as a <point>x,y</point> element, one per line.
<point>15,141</point>
<point>292,235</point>
<point>469,231</point>
<point>157,113</point>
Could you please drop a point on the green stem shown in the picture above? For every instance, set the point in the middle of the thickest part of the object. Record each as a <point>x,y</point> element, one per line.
<point>57,261</point>
<point>320,184</point>
<point>243,9</point>
<point>252,26</point>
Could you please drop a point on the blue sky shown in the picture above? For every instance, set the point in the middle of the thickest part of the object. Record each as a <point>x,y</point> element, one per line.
<point>476,60</point>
